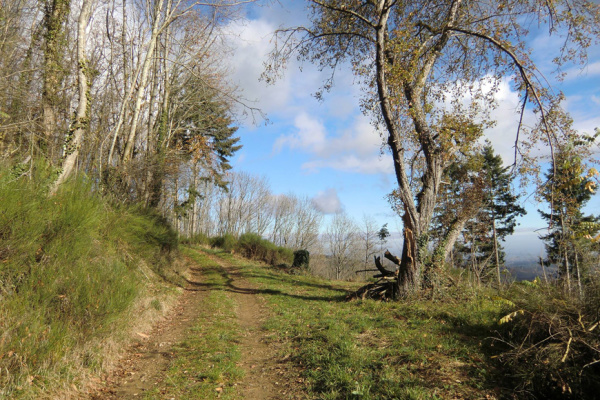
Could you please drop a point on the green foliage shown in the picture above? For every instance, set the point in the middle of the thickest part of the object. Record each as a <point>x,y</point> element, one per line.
<point>551,342</point>
<point>69,269</point>
<point>199,239</point>
<point>301,259</point>
<point>383,233</point>
<point>497,217</point>
<point>568,243</point>
<point>254,247</point>
<point>205,132</point>
<point>226,242</point>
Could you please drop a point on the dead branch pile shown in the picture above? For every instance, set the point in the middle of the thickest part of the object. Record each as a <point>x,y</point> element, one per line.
<point>386,286</point>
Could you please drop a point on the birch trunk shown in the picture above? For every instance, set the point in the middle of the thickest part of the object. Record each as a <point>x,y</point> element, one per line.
<point>75,136</point>
<point>127,153</point>
<point>56,15</point>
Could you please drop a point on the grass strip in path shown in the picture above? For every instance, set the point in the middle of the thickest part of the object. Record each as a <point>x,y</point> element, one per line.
<point>205,363</point>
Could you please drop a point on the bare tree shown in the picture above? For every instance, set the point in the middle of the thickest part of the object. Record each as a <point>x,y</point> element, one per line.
<point>369,238</point>
<point>342,238</point>
<point>283,219</point>
<point>306,226</point>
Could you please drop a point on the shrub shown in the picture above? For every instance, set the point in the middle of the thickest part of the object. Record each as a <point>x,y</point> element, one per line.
<point>197,239</point>
<point>69,271</point>
<point>301,259</point>
<point>226,242</point>
<point>285,256</point>
<point>253,246</point>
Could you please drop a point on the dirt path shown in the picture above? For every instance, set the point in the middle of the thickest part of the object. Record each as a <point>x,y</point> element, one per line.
<point>142,369</point>
<point>149,356</point>
<point>263,371</point>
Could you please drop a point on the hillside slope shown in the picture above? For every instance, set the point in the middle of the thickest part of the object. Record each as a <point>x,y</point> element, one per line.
<point>77,274</point>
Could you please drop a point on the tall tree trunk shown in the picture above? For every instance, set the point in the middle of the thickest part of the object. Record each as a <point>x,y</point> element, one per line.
<point>56,14</point>
<point>157,141</point>
<point>417,215</point>
<point>496,252</point>
<point>126,94</point>
<point>578,275</point>
<point>565,253</point>
<point>195,204</point>
<point>75,136</point>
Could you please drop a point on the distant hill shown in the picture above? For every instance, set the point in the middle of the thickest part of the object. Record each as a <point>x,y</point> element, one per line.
<point>523,270</point>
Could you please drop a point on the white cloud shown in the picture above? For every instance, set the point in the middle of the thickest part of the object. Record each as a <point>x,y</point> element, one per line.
<point>250,44</point>
<point>587,71</point>
<point>351,163</point>
<point>587,125</point>
<point>310,135</point>
<point>356,149</point>
<point>503,134</point>
<point>327,201</point>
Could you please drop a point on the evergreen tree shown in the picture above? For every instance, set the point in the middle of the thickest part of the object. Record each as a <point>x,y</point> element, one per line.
<point>496,218</point>
<point>568,191</point>
<point>460,198</point>
<point>500,206</point>
<point>205,131</point>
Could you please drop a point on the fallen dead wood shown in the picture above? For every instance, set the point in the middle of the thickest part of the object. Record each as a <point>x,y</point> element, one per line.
<point>386,286</point>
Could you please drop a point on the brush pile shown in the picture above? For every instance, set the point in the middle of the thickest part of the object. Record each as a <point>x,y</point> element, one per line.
<point>386,286</point>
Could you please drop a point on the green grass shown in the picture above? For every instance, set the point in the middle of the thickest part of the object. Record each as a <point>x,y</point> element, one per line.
<point>375,350</point>
<point>71,267</point>
<point>205,365</point>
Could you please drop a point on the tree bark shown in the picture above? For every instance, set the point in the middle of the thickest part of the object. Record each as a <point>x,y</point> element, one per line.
<point>417,216</point>
<point>55,17</point>
<point>81,122</point>
<point>496,254</point>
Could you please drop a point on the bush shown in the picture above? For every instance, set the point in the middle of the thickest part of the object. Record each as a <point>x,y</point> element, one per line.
<point>253,246</point>
<point>226,242</point>
<point>301,259</point>
<point>197,239</point>
<point>285,256</point>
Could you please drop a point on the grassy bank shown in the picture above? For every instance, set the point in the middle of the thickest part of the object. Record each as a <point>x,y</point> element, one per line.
<point>72,268</point>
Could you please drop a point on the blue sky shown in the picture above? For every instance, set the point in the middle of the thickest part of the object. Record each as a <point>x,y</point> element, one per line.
<point>328,150</point>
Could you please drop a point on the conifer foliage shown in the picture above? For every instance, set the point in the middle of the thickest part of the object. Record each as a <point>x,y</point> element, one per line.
<point>569,241</point>
<point>497,217</point>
